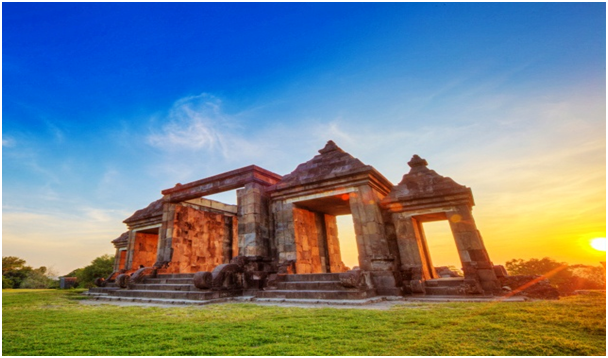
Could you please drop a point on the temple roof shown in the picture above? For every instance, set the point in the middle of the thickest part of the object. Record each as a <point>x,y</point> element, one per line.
<point>154,209</point>
<point>331,162</point>
<point>122,239</point>
<point>422,182</point>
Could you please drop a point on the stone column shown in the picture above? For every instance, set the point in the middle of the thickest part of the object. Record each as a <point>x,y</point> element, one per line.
<point>284,233</point>
<point>372,244</point>
<point>165,241</point>
<point>130,249</point>
<point>411,247</point>
<point>333,244</point>
<point>473,254</point>
<point>369,229</point>
<point>117,260</point>
<point>254,230</point>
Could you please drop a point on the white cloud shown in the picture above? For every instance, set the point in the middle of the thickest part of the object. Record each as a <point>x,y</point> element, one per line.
<point>192,123</point>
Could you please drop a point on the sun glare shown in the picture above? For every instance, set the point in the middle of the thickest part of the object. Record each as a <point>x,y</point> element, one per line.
<point>599,243</point>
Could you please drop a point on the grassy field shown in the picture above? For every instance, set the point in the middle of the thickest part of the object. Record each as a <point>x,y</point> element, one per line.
<point>53,322</point>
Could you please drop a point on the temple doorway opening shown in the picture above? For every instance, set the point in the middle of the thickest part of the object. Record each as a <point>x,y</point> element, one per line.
<point>442,248</point>
<point>226,197</point>
<point>348,241</point>
<point>317,234</point>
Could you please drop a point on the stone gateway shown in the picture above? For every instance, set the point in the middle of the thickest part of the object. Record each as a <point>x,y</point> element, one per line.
<point>281,239</point>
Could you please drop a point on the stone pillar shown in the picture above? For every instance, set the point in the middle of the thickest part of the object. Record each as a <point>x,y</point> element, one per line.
<point>130,249</point>
<point>284,234</point>
<point>227,240</point>
<point>165,251</point>
<point>254,228</point>
<point>333,245</point>
<point>374,252</point>
<point>412,251</point>
<point>372,245</point>
<point>322,242</point>
<point>473,254</point>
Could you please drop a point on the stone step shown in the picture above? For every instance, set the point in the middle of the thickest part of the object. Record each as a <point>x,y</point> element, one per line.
<point>103,289</point>
<point>164,287</point>
<point>182,295</point>
<point>164,301</point>
<point>315,294</point>
<point>444,291</point>
<point>163,280</point>
<point>311,277</point>
<point>444,282</point>
<point>176,275</point>
<point>310,285</point>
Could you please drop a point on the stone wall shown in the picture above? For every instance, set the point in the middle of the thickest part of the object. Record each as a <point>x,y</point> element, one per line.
<point>307,236</point>
<point>144,250</point>
<point>201,240</point>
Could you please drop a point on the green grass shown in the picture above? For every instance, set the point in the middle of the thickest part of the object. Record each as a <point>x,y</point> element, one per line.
<point>54,322</point>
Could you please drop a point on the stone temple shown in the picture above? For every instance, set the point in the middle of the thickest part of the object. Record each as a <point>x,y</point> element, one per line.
<point>281,240</point>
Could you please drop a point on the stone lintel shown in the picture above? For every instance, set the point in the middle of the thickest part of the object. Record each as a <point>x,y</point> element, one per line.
<point>219,183</point>
<point>212,205</point>
<point>338,185</point>
<point>428,203</point>
<point>147,223</point>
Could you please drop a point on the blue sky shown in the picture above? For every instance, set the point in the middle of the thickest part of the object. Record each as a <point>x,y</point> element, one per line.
<point>105,105</point>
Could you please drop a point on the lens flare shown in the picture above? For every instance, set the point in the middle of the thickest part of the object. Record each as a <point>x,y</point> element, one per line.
<point>599,243</point>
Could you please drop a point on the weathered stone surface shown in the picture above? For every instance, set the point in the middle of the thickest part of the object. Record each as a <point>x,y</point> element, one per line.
<point>203,280</point>
<point>144,250</point>
<point>201,240</point>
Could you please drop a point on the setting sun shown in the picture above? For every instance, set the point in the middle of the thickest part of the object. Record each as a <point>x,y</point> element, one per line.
<point>599,243</point>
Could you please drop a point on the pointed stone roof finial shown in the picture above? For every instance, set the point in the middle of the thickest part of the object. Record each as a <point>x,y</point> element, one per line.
<point>417,164</point>
<point>330,147</point>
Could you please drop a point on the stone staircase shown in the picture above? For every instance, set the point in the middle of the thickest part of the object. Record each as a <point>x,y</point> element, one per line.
<point>173,288</point>
<point>319,286</point>
<point>179,289</point>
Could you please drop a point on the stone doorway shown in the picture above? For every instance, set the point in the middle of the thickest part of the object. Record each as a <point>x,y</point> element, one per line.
<point>316,234</point>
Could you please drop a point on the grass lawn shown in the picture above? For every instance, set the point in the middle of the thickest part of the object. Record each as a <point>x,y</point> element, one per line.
<point>53,322</point>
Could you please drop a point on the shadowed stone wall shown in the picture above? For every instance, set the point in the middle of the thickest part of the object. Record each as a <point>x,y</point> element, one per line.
<point>144,249</point>
<point>201,240</point>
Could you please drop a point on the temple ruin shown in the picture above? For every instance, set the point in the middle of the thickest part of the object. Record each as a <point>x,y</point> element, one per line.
<point>281,239</point>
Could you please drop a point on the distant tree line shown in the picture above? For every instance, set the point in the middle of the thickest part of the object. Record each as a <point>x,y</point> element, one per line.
<point>566,278</point>
<point>102,266</point>
<point>16,274</point>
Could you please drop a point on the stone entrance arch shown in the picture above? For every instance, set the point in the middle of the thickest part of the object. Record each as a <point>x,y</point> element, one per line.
<point>333,183</point>
<point>424,195</point>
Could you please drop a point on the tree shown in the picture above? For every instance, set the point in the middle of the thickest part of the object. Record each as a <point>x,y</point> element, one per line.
<point>101,266</point>
<point>39,278</point>
<point>16,274</point>
<point>565,278</point>
<point>14,271</point>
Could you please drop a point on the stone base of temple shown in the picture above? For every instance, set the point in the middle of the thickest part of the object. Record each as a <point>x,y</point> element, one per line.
<point>324,286</point>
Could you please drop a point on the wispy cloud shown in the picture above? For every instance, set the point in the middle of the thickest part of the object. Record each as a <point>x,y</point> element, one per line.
<point>8,142</point>
<point>192,123</point>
